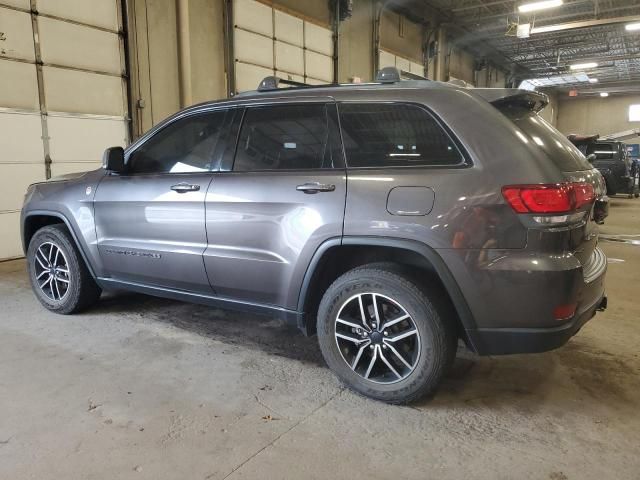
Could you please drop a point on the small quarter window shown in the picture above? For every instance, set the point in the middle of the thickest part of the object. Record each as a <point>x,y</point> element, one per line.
<point>284,137</point>
<point>394,135</point>
<point>184,146</point>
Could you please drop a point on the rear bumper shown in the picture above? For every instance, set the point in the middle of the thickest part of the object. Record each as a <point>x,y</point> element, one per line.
<point>513,298</point>
<point>503,341</point>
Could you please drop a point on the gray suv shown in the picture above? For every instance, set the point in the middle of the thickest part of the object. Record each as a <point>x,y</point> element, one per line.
<point>391,218</point>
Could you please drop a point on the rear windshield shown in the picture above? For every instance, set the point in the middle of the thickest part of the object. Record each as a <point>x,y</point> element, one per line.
<point>603,151</point>
<point>541,134</point>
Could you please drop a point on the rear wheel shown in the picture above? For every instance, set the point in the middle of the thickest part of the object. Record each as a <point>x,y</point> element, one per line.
<point>59,278</point>
<point>383,336</point>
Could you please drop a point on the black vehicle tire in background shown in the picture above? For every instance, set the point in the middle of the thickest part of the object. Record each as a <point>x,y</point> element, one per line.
<point>395,350</point>
<point>59,277</point>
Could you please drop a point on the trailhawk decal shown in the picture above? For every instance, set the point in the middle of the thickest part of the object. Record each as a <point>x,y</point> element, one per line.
<point>131,253</point>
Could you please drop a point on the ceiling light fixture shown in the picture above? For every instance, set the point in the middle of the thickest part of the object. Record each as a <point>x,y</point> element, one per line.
<point>632,27</point>
<point>593,80</point>
<point>583,66</point>
<point>604,94</point>
<point>534,6</point>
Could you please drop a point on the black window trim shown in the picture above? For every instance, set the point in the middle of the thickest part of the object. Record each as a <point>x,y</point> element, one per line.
<point>334,136</point>
<point>140,142</point>
<point>466,158</point>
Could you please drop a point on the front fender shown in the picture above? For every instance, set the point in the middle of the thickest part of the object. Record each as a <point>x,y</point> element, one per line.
<point>72,203</point>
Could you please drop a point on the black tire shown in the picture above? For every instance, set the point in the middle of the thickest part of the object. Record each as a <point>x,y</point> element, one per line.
<point>81,290</point>
<point>435,329</point>
<point>610,190</point>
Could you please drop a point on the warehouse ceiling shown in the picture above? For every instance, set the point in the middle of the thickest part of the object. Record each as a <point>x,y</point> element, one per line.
<point>590,31</point>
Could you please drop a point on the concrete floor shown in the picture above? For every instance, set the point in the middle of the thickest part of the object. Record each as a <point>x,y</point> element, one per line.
<point>146,388</point>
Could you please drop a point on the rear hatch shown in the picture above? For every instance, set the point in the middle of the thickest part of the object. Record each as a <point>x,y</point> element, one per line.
<point>570,228</point>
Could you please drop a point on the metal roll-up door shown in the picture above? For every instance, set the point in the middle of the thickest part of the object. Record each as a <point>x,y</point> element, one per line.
<point>268,41</point>
<point>64,95</point>
<point>389,59</point>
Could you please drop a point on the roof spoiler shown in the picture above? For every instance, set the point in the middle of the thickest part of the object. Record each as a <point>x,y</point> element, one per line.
<point>503,97</point>
<point>578,139</point>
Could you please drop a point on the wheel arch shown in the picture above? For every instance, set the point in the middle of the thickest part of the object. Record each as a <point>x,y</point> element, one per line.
<point>36,219</point>
<point>335,257</point>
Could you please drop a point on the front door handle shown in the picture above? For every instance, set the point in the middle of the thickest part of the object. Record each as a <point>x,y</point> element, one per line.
<point>185,187</point>
<point>315,187</point>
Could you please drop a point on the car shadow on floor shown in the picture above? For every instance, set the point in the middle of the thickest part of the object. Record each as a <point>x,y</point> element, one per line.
<point>268,334</point>
<point>521,381</point>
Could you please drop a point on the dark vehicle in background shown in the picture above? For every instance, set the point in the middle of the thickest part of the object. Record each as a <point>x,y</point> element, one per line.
<point>391,218</point>
<point>611,158</point>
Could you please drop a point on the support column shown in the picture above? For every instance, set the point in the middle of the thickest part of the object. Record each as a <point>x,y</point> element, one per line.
<point>184,53</point>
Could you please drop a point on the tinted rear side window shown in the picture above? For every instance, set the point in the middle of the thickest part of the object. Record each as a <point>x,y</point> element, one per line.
<point>539,133</point>
<point>384,134</point>
<point>284,137</point>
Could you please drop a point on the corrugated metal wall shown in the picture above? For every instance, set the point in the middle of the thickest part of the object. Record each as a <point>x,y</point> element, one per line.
<point>64,95</point>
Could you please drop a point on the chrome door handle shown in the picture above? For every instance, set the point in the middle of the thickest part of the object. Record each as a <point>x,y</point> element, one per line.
<point>185,187</point>
<point>315,187</point>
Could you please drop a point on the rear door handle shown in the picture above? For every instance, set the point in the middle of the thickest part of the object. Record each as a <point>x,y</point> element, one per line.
<point>315,187</point>
<point>185,187</point>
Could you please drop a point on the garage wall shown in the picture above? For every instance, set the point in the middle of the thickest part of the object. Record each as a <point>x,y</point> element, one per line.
<point>155,57</point>
<point>400,36</point>
<point>490,77</point>
<point>207,76</point>
<point>597,115</point>
<point>550,112</point>
<point>461,65</point>
<point>355,56</point>
<point>270,41</point>
<point>63,99</point>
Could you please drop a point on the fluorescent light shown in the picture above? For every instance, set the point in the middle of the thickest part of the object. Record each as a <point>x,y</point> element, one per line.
<point>632,27</point>
<point>583,66</point>
<point>604,94</point>
<point>523,30</point>
<point>532,7</point>
<point>593,80</point>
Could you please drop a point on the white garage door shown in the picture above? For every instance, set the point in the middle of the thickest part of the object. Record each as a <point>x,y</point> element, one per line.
<point>268,41</point>
<point>63,96</point>
<point>388,59</point>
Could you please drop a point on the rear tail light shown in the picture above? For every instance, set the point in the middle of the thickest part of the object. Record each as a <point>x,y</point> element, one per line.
<point>549,198</point>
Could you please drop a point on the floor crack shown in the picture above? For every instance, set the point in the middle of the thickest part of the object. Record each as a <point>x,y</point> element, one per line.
<point>279,436</point>
<point>260,402</point>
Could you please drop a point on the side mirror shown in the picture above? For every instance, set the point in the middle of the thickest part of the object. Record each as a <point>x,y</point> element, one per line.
<point>591,157</point>
<point>113,159</point>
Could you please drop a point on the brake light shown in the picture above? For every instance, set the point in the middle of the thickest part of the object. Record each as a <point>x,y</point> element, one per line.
<point>549,198</point>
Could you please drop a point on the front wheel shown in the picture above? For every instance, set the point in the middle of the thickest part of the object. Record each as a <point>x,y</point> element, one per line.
<point>59,278</point>
<point>383,336</point>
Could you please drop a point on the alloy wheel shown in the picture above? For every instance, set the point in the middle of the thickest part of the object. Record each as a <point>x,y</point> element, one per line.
<point>52,271</point>
<point>377,338</point>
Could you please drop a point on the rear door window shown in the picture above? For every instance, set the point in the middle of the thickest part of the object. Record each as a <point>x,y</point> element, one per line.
<point>284,137</point>
<point>395,135</point>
